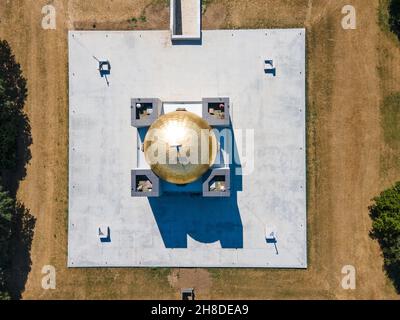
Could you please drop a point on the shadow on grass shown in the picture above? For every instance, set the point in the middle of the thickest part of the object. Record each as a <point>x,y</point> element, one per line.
<point>393,272</point>
<point>15,154</point>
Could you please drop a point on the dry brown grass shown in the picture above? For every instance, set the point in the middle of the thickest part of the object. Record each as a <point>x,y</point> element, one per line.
<point>349,74</point>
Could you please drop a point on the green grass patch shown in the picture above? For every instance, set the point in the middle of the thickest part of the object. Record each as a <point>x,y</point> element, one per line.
<point>204,5</point>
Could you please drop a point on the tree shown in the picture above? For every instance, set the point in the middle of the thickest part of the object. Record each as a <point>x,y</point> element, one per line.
<point>394,16</point>
<point>13,93</point>
<point>385,214</point>
<point>6,214</point>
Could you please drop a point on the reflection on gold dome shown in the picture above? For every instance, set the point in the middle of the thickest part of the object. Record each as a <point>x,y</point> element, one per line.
<point>180,147</point>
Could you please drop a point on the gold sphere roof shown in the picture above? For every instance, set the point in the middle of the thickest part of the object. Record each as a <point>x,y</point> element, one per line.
<point>180,147</point>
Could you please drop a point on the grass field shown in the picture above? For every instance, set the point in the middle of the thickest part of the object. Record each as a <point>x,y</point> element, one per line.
<point>353,145</point>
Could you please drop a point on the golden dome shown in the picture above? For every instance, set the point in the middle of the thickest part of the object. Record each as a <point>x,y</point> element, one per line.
<point>180,147</point>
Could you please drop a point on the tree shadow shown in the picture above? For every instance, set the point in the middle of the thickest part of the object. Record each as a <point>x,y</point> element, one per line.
<point>15,130</point>
<point>394,17</point>
<point>205,220</point>
<point>23,225</point>
<point>393,272</point>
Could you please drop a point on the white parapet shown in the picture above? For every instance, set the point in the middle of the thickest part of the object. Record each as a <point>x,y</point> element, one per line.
<point>185,19</point>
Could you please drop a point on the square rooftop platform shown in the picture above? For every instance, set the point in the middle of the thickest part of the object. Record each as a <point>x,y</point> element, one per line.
<point>263,222</point>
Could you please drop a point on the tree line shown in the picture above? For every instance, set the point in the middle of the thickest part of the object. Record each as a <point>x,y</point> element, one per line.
<point>385,211</point>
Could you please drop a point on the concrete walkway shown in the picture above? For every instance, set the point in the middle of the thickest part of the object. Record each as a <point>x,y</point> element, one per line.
<point>190,10</point>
